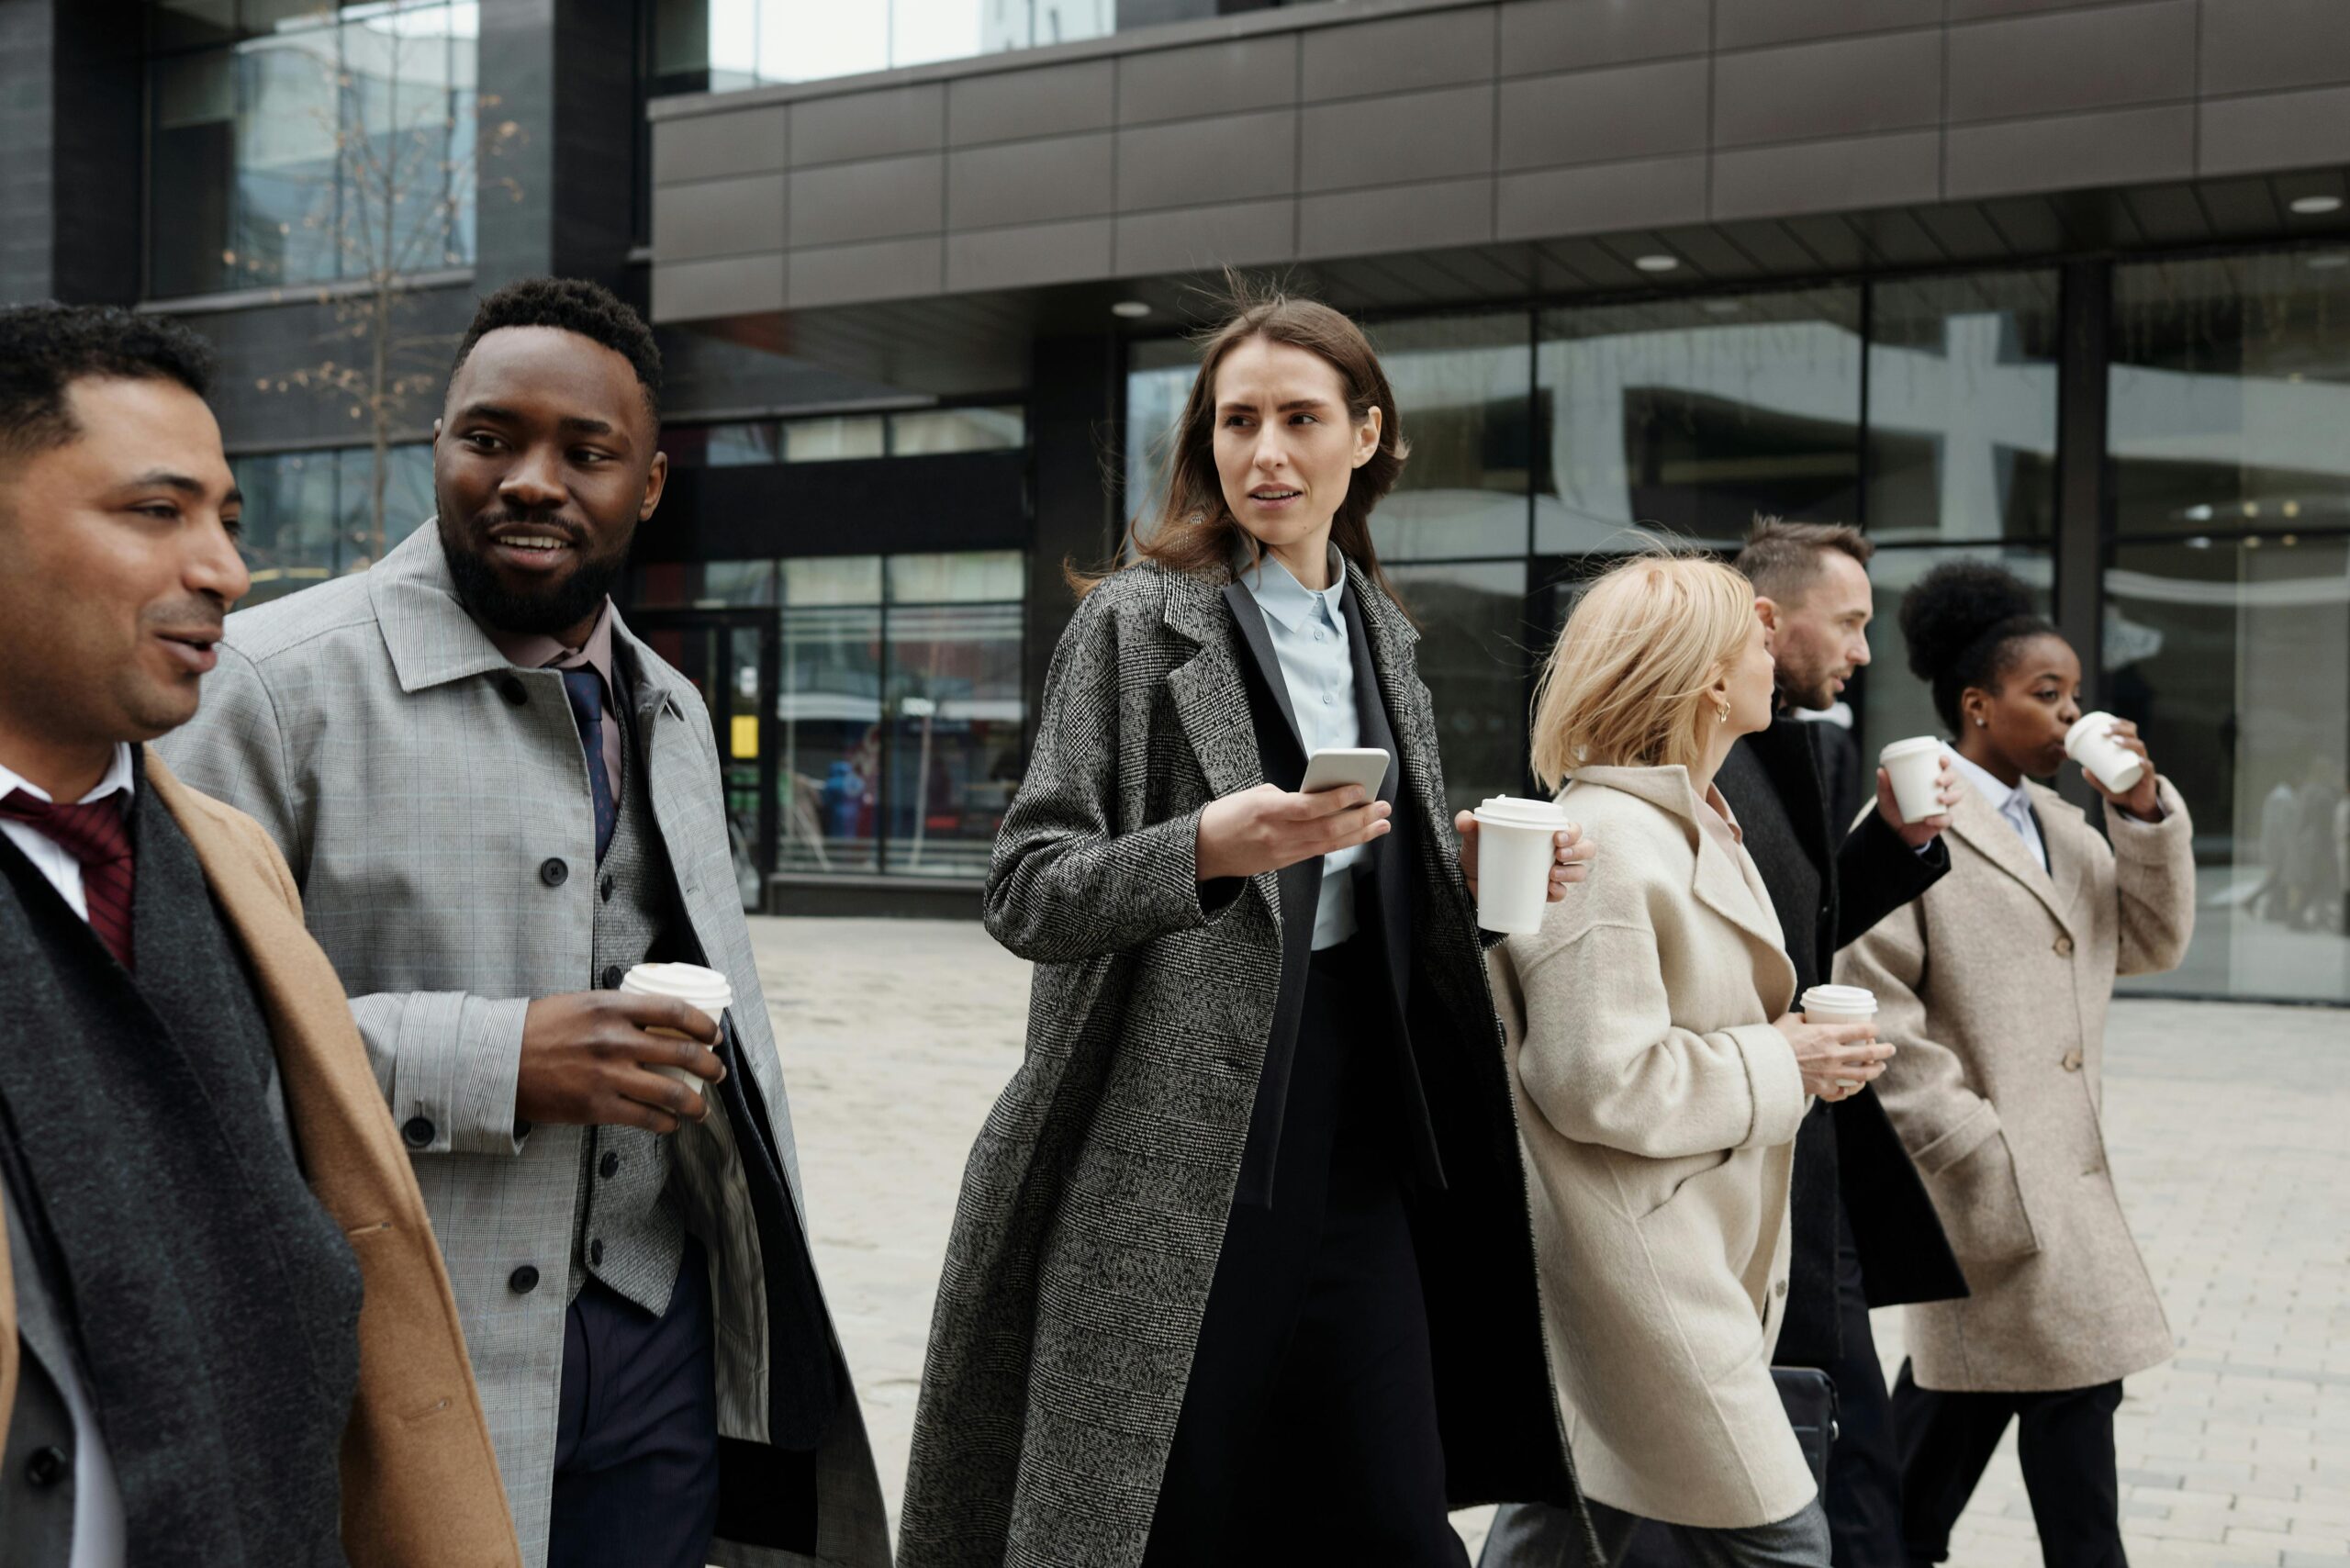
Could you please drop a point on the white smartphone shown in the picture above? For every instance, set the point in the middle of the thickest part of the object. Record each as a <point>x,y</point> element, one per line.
<point>1334,768</point>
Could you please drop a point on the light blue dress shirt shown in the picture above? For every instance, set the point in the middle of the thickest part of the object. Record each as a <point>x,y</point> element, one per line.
<point>1309,634</point>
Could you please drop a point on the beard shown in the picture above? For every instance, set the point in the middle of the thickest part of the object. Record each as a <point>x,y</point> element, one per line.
<point>549,611</point>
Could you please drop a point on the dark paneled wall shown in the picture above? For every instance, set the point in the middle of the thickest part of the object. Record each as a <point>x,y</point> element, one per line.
<point>1072,425</point>
<point>70,116</point>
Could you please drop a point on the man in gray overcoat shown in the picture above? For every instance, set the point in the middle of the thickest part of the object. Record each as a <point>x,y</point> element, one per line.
<point>497,802</point>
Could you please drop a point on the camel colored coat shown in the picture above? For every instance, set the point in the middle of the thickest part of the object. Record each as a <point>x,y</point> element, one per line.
<point>1994,986</point>
<point>1658,1110</point>
<point>419,1482</point>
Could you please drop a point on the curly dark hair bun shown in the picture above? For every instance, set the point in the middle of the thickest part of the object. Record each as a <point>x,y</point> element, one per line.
<point>1961,622</point>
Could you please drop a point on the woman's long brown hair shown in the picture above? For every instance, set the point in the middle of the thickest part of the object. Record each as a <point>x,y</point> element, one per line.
<point>1195,533</point>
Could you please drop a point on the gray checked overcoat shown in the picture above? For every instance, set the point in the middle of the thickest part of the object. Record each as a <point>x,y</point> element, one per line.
<point>425,793</point>
<point>1094,1202</point>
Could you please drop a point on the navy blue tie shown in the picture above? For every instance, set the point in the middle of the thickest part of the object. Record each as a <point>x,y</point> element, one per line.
<point>586,690</point>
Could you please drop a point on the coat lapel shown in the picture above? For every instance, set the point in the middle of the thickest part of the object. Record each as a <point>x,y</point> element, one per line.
<point>2062,827</point>
<point>1716,882</point>
<point>1989,832</point>
<point>1257,639</point>
<point>1211,702</point>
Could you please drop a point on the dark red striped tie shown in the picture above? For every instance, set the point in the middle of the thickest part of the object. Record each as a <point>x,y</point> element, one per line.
<point>95,833</point>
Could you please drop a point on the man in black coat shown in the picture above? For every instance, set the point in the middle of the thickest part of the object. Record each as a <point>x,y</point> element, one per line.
<point>1864,1231</point>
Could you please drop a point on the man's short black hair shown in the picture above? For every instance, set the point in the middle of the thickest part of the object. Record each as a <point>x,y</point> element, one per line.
<point>46,348</point>
<point>573,304</point>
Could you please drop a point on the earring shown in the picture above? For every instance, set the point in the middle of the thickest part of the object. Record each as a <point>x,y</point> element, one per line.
<point>1722,714</point>
<point>1982,723</point>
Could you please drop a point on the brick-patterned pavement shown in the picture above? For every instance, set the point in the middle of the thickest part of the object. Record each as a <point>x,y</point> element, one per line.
<point>2230,1128</point>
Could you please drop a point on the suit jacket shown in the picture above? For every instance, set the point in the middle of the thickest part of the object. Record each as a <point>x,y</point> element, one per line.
<point>1848,1156</point>
<point>1659,1109</point>
<point>1995,987</point>
<point>1094,1206</point>
<point>432,803</point>
<point>419,1481</point>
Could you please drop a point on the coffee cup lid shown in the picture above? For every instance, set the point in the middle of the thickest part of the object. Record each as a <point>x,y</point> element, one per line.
<point>687,983</point>
<point>2087,724</point>
<point>1845,998</point>
<point>1904,748</point>
<point>1515,810</point>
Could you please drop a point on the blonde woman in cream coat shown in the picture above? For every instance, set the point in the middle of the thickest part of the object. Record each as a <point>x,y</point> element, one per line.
<point>1660,1079</point>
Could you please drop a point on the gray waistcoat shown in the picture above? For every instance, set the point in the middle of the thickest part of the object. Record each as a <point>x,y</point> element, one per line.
<point>631,1231</point>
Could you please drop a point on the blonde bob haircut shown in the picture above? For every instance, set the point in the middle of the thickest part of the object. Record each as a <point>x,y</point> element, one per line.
<point>1627,685</point>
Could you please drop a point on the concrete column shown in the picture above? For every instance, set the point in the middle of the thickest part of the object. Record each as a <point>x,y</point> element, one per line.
<point>69,222</point>
<point>559,196</point>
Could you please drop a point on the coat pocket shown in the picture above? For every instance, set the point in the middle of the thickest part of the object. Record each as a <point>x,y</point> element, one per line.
<point>1981,1208</point>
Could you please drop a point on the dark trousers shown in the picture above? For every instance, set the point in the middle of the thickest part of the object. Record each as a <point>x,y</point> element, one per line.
<point>1312,1377</point>
<point>636,1446</point>
<point>2066,1446</point>
<point>1863,1491</point>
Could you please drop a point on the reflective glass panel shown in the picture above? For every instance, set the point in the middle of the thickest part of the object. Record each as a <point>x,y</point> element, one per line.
<point>1159,377</point>
<point>1693,415</point>
<point>957,430</point>
<point>1473,659</point>
<point>832,579</point>
<point>955,707</point>
<point>1961,414</point>
<point>828,777</point>
<point>2233,657</point>
<point>1463,385</point>
<point>830,440</point>
<point>964,578</point>
<point>2229,393</point>
<point>742,43</point>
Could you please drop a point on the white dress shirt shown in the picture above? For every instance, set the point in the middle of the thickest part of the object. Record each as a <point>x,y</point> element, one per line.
<point>1309,632</point>
<point>2013,804</point>
<point>53,859</point>
<point>97,1499</point>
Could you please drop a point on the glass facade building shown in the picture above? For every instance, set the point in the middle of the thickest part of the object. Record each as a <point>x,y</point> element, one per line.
<point>1925,409</point>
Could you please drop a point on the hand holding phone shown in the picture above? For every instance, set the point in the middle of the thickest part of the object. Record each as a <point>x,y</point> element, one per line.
<point>1334,768</point>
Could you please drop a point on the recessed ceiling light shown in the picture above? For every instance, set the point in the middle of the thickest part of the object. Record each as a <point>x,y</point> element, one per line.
<point>2316,206</point>
<point>1659,262</point>
<point>1132,309</point>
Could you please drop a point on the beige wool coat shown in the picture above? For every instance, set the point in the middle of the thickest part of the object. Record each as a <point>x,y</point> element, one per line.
<point>1994,987</point>
<point>1658,1110</point>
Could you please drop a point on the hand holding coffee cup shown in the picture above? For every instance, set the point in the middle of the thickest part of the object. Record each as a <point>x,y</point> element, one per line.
<point>593,1058</point>
<point>1932,790</point>
<point>1517,861</point>
<point>1571,862</point>
<point>2116,762</point>
<point>1834,1041</point>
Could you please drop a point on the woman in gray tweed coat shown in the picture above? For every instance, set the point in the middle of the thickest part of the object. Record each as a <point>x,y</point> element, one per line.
<point>1242,1268</point>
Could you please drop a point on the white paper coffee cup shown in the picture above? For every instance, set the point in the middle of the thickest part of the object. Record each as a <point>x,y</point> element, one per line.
<point>691,985</point>
<point>1840,1004</point>
<point>2090,743</point>
<point>1516,848</point>
<point>1915,764</point>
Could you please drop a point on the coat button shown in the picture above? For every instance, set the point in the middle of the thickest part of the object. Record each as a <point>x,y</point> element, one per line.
<point>612,977</point>
<point>553,872</point>
<point>609,1166</point>
<point>2064,947</point>
<point>2072,1061</point>
<point>606,890</point>
<point>418,1131</point>
<point>1778,1287</point>
<point>47,1466</point>
<point>523,1281</point>
<point>511,690</point>
<point>596,1253</point>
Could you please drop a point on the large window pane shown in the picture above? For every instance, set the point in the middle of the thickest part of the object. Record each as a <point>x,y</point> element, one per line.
<point>311,515</point>
<point>967,577</point>
<point>828,781</point>
<point>2233,656</point>
<point>954,706</point>
<point>1962,413</point>
<point>1463,386</point>
<point>1159,373</point>
<point>1472,659</point>
<point>2229,393</point>
<point>742,43</point>
<point>1692,415</point>
<point>957,430</point>
<point>308,143</point>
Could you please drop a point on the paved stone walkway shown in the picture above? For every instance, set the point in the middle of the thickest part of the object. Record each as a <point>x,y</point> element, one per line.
<point>2230,1128</point>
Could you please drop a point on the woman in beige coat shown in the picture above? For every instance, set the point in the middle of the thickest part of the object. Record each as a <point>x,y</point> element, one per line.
<point>1660,1080</point>
<point>1994,985</point>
